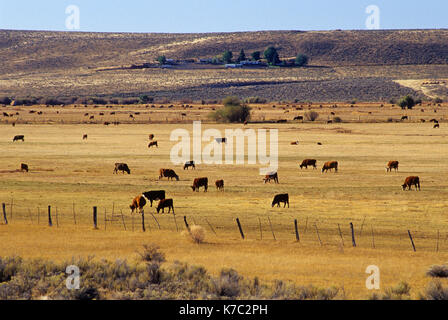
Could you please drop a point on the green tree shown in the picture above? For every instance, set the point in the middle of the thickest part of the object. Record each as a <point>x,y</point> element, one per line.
<point>256,55</point>
<point>406,102</point>
<point>227,56</point>
<point>242,56</point>
<point>161,59</point>
<point>301,60</point>
<point>233,111</point>
<point>271,55</point>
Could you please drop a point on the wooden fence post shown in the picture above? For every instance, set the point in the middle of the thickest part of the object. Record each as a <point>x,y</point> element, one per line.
<point>412,241</point>
<point>4,213</point>
<point>122,219</point>
<point>340,234</point>
<point>95,218</point>
<point>50,223</point>
<point>186,224</point>
<point>175,222</point>
<point>297,230</point>
<point>239,227</point>
<point>211,227</point>
<point>362,225</point>
<point>158,224</point>
<point>143,221</point>
<point>318,236</point>
<point>353,234</point>
<point>373,238</point>
<point>74,213</point>
<point>272,229</point>
<point>105,219</point>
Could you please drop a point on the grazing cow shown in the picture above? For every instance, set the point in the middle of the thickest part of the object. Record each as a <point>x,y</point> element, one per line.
<point>221,140</point>
<point>151,136</point>
<point>138,203</point>
<point>411,181</point>
<point>281,198</point>
<point>330,121</point>
<point>168,173</point>
<point>294,143</point>
<point>189,164</point>
<point>17,138</point>
<point>154,195</point>
<point>436,126</point>
<point>5,114</point>
<point>319,143</point>
<point>330,165</point>
<point>122,167</point>
<point>404,118</point>
<point>298,118</point>
<point>434,120</point>
<point>165,203</point>
<point>308,162</point>
<point>84,137</point>
<point>106,123</point>
<point>200,182</point>
<point>271,176</point>
<point>392,165</point>
<point>92,117</point>
<point>219,185</point>
<point>282,121</point>
<point>153,143</point>
<point>24,167</point>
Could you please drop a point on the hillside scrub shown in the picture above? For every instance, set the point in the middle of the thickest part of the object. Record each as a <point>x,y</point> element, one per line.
<point>147,278</point>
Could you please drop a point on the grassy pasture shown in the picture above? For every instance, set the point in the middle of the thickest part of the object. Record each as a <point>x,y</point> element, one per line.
<point>66,171</point>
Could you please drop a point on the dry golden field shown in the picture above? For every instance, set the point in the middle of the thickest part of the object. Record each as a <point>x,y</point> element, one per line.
<point>73,175</point>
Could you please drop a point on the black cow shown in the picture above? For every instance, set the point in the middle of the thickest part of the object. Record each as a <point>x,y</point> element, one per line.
<point>189,164</point>
<point>281,198</point>
<point>154,195</point>
<point>123,167</point>
<point>221,140</point>
<point>17,138</point>
<point>165,203</point>
<point>24,167</point>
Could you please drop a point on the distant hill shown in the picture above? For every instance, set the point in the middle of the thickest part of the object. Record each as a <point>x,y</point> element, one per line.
<point>76,54</point>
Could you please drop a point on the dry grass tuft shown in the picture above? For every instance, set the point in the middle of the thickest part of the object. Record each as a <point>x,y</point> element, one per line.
<point>196,234</point>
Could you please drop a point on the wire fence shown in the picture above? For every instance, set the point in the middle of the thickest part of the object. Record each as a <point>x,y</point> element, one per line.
<point>356,233</point>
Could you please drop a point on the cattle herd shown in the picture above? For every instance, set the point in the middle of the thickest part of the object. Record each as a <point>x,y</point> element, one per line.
<point>141,200</point>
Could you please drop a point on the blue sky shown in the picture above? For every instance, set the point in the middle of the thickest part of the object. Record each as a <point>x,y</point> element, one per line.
<point>220,16</point>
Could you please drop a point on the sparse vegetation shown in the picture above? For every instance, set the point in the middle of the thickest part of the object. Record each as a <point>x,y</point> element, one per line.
<point>407,102</point>
<point>311,115</point>
<point>438,271</point>
<point>40,279</point>
<point>301,60</point>
<point>233,111</point>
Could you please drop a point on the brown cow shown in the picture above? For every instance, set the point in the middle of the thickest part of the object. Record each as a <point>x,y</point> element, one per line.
<point>151,136</point>
<point>219,185</point>
<point>138,203</point>
<point>168,173</point>
<point>271,176</point>
<point>165,203</point>
<point>84,137</point>
<point>281,198</point>
<point>200,182</point>
<point>411,181</point>
<point>153,143</point>
<point>308,162</point>
<point>330,165</point>
<point>392,165</point>
<point>24,167</point>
